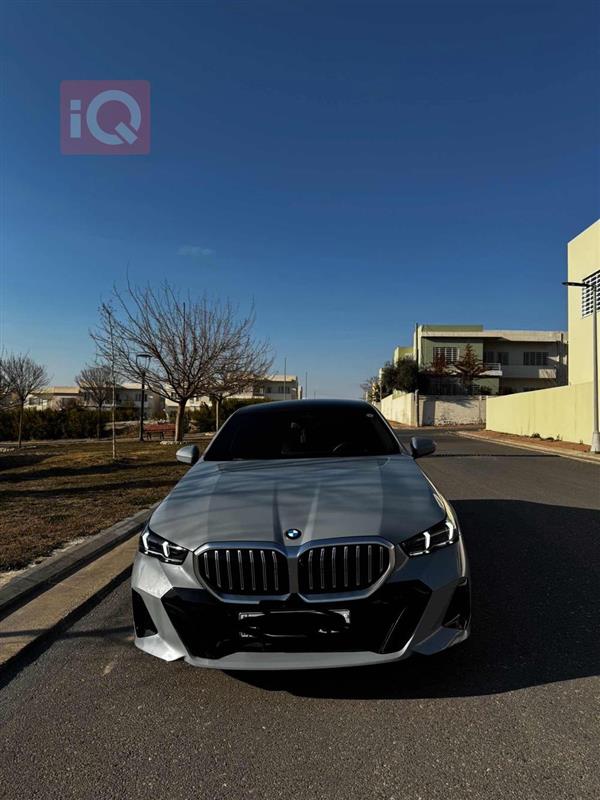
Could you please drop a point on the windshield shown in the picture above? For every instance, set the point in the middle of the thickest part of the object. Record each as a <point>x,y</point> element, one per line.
<point>303,433</point>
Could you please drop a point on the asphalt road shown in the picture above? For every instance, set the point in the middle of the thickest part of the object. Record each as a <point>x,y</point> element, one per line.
<point>513,713</point>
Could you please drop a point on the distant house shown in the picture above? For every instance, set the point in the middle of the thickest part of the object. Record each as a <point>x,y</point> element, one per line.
<point>273,387</point>
<point>514,360</point>
<point>54,397</point>
<point>128,395</point>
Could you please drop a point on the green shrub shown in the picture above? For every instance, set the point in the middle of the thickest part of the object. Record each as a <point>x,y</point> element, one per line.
<point>64,423</point>
<point>203,419</point>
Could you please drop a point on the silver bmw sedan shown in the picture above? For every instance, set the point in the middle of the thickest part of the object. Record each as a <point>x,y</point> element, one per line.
<point>304,537</point>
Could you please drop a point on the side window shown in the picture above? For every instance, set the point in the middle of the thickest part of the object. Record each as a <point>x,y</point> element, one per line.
<point>535,359</point>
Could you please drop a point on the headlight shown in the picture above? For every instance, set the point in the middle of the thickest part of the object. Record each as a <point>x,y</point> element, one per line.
<point>441,535</point>
<point>151,544</point>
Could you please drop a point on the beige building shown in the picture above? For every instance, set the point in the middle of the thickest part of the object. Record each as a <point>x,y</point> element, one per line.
<point>273,387</point>
<point>565,412</point>
<point>54,397</point>
<point>584,267</point>
<point>128,395</point>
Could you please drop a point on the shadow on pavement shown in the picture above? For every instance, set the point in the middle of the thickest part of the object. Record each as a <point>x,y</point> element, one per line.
<point>536,605</point>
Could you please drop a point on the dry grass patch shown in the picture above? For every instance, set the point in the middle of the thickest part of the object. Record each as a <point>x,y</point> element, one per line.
<point>53,493</point>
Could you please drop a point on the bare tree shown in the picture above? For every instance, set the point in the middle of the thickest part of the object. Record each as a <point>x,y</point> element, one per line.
<point>5,388</point>
<point>95,382</point>
<point>24,377</point>
<point>371,389</point>
<point>247,362</point>
<point>187,339</point>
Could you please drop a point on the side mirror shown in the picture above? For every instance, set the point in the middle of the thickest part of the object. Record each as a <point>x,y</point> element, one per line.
<point>421,446</point>
<point>188,454</point>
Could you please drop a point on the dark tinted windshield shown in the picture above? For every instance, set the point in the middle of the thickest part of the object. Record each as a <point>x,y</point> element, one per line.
<point>303,433</point>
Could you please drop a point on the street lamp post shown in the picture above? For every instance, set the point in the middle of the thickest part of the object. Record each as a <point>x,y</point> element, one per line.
<point>142,361</point>
<point>595,447</point>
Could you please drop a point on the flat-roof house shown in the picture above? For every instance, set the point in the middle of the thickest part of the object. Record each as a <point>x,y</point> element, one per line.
<point>54,397</point>
<point>128,395</point>
<point>273,387</point>
<point>514,360</point>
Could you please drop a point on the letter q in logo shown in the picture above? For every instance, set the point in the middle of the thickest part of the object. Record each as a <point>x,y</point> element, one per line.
<point>105,117</point>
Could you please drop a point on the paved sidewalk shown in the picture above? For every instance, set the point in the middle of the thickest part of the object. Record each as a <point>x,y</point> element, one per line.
<point>556,448</point>
<point>58,605</point>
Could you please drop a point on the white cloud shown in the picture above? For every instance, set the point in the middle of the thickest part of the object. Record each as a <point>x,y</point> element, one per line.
<point>195,251</point>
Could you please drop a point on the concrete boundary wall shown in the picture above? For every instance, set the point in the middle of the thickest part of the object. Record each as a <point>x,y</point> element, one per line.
<point>564,412</point>
<point>452,409</point>
<point>434,409</point>
<point>399,407</point>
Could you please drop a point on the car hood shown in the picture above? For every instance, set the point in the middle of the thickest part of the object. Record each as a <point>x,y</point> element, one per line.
<point>325,498</point>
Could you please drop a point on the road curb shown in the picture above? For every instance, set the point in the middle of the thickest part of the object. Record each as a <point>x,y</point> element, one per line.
<point>587,458</point>
<point>60,566</point>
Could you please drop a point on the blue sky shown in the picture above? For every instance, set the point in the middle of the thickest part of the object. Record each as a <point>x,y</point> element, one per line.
<point>351,168</point>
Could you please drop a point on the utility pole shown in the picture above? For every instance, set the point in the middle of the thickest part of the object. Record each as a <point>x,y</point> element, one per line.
<point>416,393</point>
<point>284,378</point>
<point>595,446</point>
<point>306,385</point>
<point>143,362</point>
<point>113,378</point>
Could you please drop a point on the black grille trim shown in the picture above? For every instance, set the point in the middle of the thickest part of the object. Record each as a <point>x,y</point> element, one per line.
<point>244,571</point>
<point>342,568</point>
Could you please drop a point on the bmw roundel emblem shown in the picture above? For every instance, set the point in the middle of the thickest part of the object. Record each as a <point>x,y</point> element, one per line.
<point>293,533</point>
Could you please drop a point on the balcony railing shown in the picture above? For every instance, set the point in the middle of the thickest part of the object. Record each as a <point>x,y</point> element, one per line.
<point>492,368</point>
<point>489,366</point>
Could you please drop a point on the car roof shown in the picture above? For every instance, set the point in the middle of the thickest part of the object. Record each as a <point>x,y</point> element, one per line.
<point>306,405</point>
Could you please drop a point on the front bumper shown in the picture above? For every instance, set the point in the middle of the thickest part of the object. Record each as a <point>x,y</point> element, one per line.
<point>424,607</point>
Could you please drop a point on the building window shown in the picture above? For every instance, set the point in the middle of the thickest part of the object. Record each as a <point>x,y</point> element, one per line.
<point>587,293</point>
<point>495,357</point>
<point>535,359</point>
<point>449,354</point>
